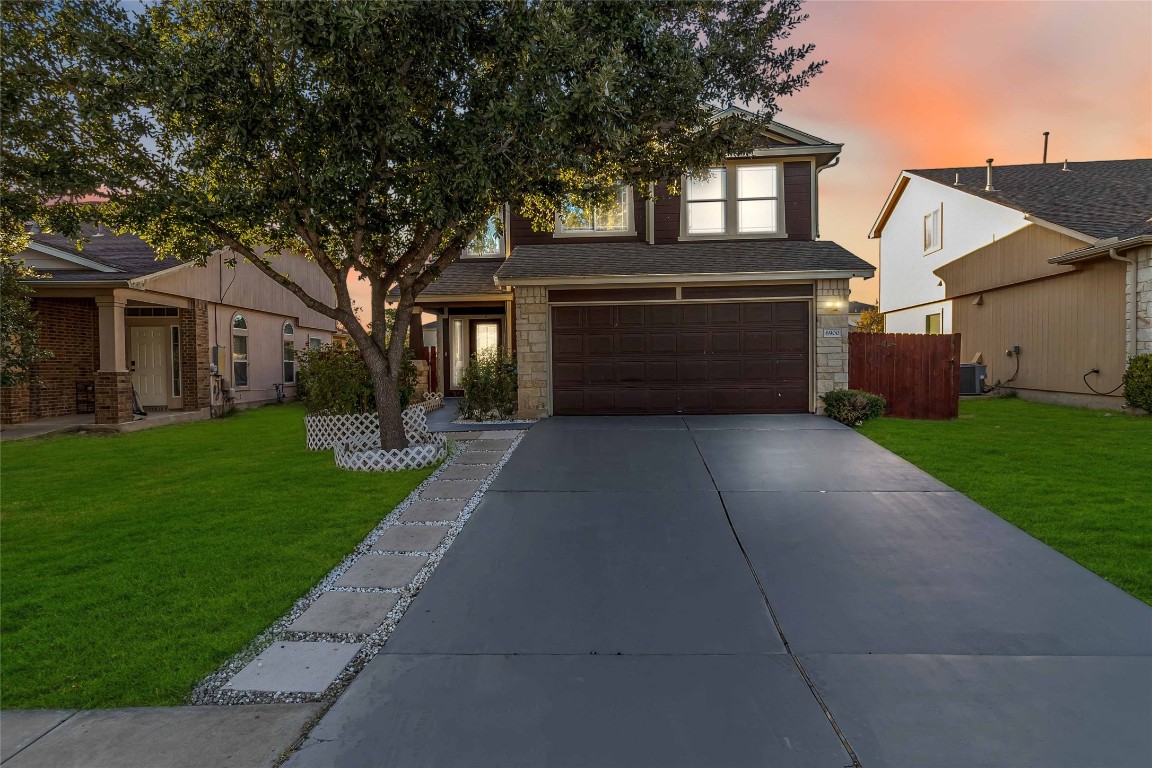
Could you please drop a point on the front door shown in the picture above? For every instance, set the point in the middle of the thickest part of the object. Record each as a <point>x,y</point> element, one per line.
<point>469,336</point>
<point>148,357</point>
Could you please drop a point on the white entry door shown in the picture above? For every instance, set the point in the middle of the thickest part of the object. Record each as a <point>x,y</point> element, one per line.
<point>149,354</point>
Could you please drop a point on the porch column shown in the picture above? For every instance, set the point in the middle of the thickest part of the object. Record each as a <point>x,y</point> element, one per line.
<point>416,332</point>
<point>113,380</point>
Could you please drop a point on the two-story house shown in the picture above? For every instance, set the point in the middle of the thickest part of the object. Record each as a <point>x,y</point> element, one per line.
<point>1043,269</point>
<point>718,299</point>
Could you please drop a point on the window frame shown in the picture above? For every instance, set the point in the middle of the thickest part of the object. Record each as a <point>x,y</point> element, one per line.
<point>319,342</point>
<point>288,342</point>
<point>629,229</point>
<point>936,243</point>
<point>240,331</point>
<point>501,238</point>
<point>732,204</point>
<point>939,318</point>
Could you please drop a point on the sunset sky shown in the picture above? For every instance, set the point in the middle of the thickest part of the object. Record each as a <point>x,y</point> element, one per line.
<point>941,84</point>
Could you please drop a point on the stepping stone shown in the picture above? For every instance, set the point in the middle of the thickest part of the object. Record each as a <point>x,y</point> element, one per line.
<point>295,667</point>
<point>411,538</point>
<point>477,457</point>
<point>450,489</point>
<point>354,612</point>
<point>502,434</point>
<point>427,511</point>
<point>488,444</point>
<point>465,472</point>
<point>382,571</point>
<point>464,435</point>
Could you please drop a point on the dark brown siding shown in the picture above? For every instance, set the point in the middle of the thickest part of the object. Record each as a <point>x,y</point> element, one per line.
<point>520,230</point>
<point>798,200</point>
<point>666,213</point>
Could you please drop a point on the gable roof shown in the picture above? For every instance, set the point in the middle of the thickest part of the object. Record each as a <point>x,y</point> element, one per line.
<point>531,263</point>
<point>106,257</point>
<point>466,277</point>
<point>1097,199</point>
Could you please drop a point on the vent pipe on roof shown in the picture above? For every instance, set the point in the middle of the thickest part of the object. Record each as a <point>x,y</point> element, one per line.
<point>988,186</point>
<point>1065,165</point>
<point>1045,160</point>
<point>957,182</point>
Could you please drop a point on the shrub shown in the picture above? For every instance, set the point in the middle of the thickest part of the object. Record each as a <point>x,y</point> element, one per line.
<point>489,385</point>
<point>853,407</point>
<point>1138,382</point>
<point>335,380</point>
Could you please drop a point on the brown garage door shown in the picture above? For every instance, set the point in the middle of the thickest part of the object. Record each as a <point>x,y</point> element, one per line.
<point>681,358</point>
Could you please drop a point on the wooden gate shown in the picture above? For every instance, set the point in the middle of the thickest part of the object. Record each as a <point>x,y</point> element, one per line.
<point>918,374</point>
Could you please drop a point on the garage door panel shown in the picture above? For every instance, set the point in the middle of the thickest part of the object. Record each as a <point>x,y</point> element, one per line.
<point>728,357</point>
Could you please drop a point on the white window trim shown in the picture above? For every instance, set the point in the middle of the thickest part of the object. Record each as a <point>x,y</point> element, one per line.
<point>284,338</point>
<point>175,340</point>
<point>732,207</point>
<point>939,244</point>
<point>315,338</point>
<point>247,351</point>
<point>629,230</point>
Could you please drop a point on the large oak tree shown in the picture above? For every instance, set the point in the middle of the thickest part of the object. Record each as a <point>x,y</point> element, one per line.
<point>377,138</point>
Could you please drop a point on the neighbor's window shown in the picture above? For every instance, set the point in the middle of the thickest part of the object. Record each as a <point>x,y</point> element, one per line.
<point>705,201</point>
<point>575,220</point>
<point>315,342</point>
<point>756,199</point>
<point>489,241</point>
<point>289,354</point>
<point>932,232</point>
<point>239,351</point>
<point>932,323</point>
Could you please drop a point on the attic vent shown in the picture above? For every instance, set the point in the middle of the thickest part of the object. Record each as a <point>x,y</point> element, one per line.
<point>1065,165</point>
<point>957,182</point>
<point>988,186</point>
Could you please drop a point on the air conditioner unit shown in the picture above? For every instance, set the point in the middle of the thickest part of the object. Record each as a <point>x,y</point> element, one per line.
<point>972,377</point>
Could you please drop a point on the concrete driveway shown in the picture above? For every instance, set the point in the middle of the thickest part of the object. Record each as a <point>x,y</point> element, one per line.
<point>745,590</point>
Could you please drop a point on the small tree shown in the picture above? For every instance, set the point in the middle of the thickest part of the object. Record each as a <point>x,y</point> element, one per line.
<point>19,345</point>
<point>377,138</point>
<point>871,321</point>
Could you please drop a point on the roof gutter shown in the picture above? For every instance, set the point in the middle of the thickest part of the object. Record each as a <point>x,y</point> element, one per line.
<point>1105,248</point>
<point>683,277</point>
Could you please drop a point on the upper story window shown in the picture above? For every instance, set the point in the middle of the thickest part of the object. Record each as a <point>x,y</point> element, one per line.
<point>737,201</point>
<point>932,233</point>
<point>489,241</point>
<point>239,351</point>
<point>599,220</point>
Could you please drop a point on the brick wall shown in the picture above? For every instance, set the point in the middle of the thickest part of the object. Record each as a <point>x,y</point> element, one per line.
<point>113,397</point>
<point>69,329</point>
<point>195,362</point>
<point>532,350</point>
<point>15,404</point>
<point>831,353</point>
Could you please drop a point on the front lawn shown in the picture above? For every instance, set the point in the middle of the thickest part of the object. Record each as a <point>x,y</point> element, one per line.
<point>131,566</point>
<point>1079,480</point>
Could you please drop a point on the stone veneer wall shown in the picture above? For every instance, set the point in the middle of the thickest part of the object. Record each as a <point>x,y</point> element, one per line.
<point>831,354</point>
<point>531,303</point>
<point>1143,327</point>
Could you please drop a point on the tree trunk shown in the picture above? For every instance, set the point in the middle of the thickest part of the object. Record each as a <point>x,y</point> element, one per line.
<point>385,384</point>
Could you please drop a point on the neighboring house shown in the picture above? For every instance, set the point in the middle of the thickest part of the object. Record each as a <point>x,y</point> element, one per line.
<point>717,300</point>
<point>185,337</point>
<point>1054,259</point>
<point>857,308</point>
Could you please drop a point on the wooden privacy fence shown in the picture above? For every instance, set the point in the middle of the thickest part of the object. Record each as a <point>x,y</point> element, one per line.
<point>919,374</point>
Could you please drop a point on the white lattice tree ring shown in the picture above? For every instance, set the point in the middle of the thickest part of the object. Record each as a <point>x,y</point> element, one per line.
<point>323,431</point>
<point>432,401</point>
<point>365,454</point>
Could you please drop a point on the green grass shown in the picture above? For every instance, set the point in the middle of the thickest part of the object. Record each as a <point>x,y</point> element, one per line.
<point>1079,480</point>
<point>132,566</point>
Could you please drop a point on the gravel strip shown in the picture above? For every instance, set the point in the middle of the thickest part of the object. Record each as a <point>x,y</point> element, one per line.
<point>213,689</point>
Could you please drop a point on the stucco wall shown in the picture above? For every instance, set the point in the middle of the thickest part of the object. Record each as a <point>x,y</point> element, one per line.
<point>906,272</point>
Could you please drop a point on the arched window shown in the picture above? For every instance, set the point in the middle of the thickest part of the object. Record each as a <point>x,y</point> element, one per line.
<point>289,353</point>
<point>239,351</point>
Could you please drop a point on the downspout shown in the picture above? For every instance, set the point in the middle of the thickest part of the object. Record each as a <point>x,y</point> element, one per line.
<point>1131,261</point>
<point>816,196</point>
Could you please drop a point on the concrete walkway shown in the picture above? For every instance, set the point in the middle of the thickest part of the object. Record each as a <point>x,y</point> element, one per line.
<point>53,425</point>
<point>729,591</point>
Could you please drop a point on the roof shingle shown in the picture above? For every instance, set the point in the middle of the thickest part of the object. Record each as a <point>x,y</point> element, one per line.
<point>1100,199</point>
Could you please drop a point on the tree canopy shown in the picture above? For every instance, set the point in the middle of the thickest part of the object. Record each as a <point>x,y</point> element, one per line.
<point>377,138</point>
